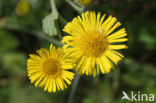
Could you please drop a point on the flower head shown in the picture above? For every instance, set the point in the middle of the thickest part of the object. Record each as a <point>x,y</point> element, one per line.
<point>94,41</point>
<point>23,7</point>
<point>49,69</point>
<point>84,2</point>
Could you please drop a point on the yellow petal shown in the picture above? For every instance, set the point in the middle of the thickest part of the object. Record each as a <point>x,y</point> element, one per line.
<point>46,85</point>
<point>110,24</point>
<point>112,56</point>
<point>113,28</point>
<point>115,52</point>
<point>119,34</point>
<point>101,21</point>
<point>54,85</point>
<point>60,82</point>
<point>43,82</point>
<point>117,40</point>
<point>106,22</point>
<point>50,86</point>
<point>39,80</point>
<point>35,76</point>
<point>117,47</point>
<point>44,53</point>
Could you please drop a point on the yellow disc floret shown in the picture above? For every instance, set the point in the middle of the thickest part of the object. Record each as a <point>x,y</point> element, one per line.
<point>51,67</point>
<point>90,43</point>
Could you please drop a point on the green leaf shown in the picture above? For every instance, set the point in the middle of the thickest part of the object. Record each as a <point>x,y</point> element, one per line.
<point>26,92</point>
<point>49,23</point>
<point>147,39</point>
<point>14,62</point>
<point>10,23</point>
<point>7,41</point>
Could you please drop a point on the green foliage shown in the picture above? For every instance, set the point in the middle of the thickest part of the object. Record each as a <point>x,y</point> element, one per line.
<point>147,39</point>
<point>137,79</point>
<point>10,23</point>
<point>7,41</point>
<point>25,93</point>
<point>14,63</point>
<point>49,23</point>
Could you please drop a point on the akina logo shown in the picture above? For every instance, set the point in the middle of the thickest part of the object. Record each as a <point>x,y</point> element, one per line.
<point>137,96</point>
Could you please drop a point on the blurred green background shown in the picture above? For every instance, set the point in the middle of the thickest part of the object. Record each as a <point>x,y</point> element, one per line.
<point>21,34</point>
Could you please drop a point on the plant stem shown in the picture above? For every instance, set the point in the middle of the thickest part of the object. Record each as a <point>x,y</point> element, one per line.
<point>53,6</point>
<point>42,35</point>
<point>37,33</point>
<point>73,89</point>
<point>79,9</point>
<point>58,31</point>
<point>62,20</point>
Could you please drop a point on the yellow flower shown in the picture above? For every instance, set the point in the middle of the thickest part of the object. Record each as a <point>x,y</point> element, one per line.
<point>84,2</point>
<point>49,69</point>
<point>94,41</point>
<point>23,7</point>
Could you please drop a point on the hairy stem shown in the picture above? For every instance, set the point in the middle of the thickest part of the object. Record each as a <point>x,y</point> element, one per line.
<point>79,9</point>
<point>53,6</point>
<point>73,89</point>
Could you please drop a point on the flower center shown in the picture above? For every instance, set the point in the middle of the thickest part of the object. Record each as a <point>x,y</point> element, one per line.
<point>51,67</point>
<point>93,43</point>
